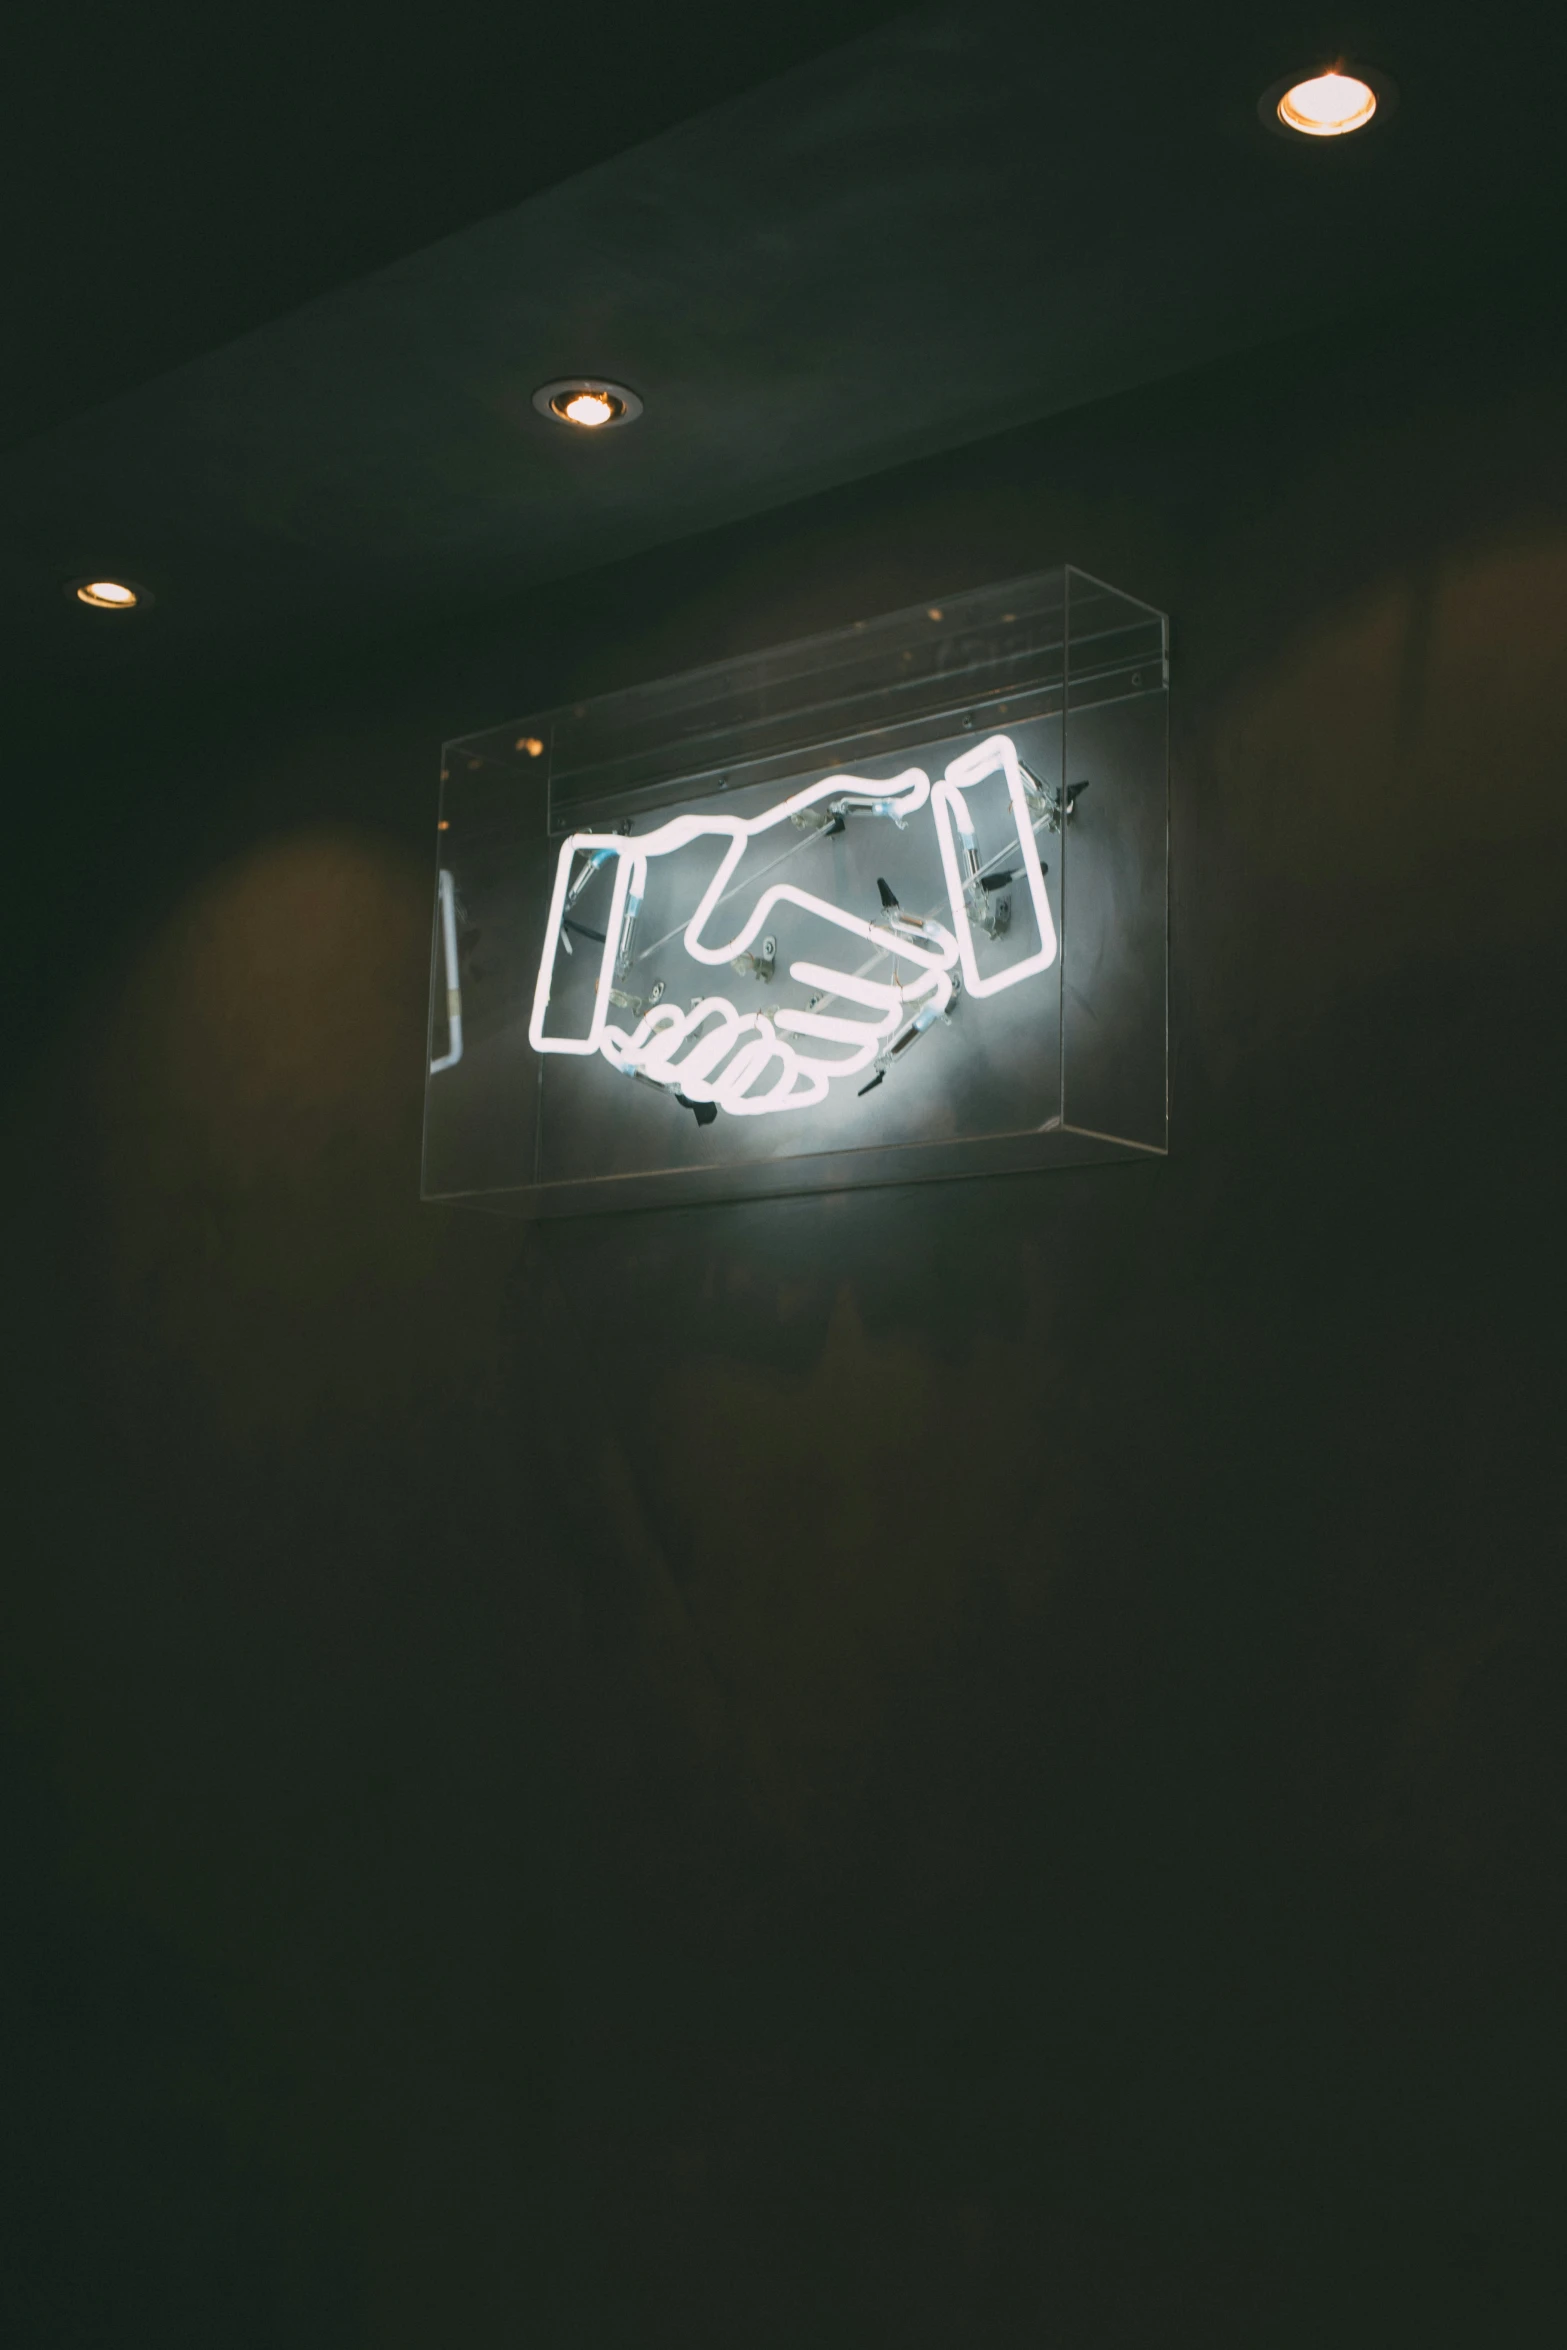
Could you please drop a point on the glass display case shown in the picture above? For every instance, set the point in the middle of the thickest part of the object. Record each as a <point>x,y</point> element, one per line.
<point>877,906</point>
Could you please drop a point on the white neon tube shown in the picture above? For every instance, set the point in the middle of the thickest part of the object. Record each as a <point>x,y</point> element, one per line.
<point>951,813</point>
<point>447,889</point>
<point>626,861</point>
<point>752,1064</point>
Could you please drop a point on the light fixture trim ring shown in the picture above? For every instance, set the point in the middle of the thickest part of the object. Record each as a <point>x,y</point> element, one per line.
<point>549,397</point>
<point>137,598</point>
<point>1382,86</point>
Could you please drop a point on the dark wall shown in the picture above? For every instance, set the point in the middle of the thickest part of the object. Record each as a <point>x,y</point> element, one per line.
<point>1008,1788</point>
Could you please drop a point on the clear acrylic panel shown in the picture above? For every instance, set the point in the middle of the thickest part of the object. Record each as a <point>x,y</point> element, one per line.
<point>884,904</point>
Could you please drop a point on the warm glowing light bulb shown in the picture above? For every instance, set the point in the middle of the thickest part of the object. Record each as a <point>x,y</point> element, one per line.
<point>588,401</point>
<point>110,595</point>
<point>1328,105</point>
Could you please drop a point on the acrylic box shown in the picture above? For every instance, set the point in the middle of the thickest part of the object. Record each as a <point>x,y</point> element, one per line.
<point>879,906</point>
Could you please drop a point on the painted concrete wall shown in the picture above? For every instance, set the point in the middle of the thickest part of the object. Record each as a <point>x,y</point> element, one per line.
<point>1007,1791</point>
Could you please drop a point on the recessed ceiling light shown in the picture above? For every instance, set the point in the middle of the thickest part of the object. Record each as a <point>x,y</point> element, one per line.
<point>1326,105</point>
<point>587,402</point>
<point>108,595</point>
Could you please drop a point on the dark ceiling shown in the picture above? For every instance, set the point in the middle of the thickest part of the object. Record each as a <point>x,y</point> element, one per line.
<point>287,285</point>
<point>181,174</point>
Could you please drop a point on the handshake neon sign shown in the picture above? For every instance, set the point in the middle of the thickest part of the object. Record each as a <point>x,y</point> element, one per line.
<point>761,1063</point>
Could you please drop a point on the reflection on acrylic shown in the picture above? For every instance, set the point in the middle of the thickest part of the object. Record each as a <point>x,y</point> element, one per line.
<point>858,1022</point>
<point>447,891</point>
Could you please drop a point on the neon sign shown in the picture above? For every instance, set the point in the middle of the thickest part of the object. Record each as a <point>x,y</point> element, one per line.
<point>714,1057</point>
<point>886,904</point>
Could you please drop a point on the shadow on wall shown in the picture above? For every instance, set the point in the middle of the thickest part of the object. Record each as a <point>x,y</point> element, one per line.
<point>260,1400</point>
<point>138,2174</point>
<point>916,1758</point>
